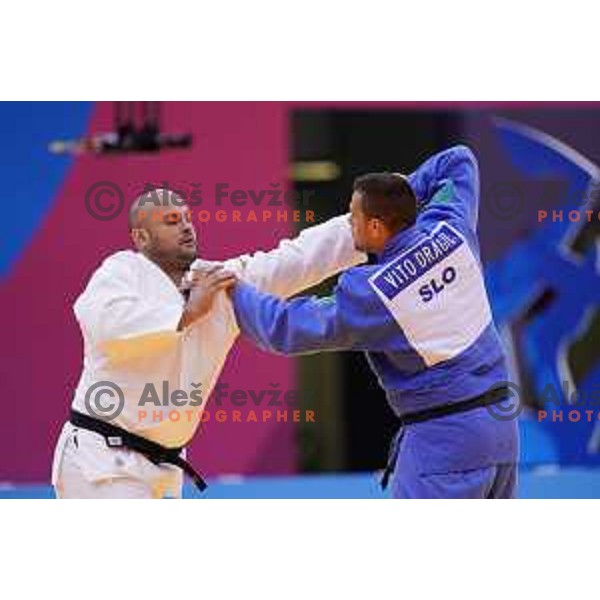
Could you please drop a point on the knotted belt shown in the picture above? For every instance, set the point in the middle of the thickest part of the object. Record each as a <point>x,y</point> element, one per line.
<point>117,437</point>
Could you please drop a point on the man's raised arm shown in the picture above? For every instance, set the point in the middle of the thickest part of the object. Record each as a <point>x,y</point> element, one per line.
<point>449,181</point>
<point>316,254</point>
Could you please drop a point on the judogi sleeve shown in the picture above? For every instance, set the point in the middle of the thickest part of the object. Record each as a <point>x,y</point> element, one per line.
<point>352,319</point>
<point>116,318</point>
<point>449,182</point>
<point>316,254</point>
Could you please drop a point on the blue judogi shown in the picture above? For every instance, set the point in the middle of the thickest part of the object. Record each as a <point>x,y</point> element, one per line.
<point>422,316</point>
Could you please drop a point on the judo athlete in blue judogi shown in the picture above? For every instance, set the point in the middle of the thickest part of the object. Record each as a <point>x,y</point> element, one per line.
<point>422,315</point>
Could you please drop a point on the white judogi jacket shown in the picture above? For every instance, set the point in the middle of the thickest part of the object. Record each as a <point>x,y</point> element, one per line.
<point>129,314</point>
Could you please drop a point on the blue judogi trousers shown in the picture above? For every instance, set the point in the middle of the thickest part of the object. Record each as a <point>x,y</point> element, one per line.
<point>493,482</point>
<point>468,455</point>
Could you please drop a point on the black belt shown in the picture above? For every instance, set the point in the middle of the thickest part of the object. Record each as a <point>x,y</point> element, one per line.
<point>118,437</point>
<point>488,398</point>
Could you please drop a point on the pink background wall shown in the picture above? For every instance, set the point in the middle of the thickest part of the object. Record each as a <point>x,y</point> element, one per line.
<point>243,144</point>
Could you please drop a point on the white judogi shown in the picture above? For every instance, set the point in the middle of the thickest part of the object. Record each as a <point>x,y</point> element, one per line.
<point>128,316</point>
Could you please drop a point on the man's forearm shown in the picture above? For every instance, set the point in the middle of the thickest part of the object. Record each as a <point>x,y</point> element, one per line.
<point>318,253</point>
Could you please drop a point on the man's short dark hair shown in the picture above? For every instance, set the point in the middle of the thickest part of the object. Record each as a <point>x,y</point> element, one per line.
<point>389,197</point>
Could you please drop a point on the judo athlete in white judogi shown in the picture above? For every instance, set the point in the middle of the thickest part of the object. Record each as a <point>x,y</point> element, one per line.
<point>139,329</point>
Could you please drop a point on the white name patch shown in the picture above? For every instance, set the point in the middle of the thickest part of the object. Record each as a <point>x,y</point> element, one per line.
<point>435,292</point>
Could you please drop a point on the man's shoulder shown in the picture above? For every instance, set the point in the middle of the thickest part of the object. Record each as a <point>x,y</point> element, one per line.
<point>115,271</point>
<point>121,262</point>
<point>359,273</point>
<point>125,258</point>
<point>123,265</point>
<point>356,282</point>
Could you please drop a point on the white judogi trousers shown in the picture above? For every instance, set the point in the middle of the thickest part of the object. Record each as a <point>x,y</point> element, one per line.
<point>85,467</point>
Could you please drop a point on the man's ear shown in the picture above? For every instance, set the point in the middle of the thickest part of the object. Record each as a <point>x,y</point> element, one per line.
<point>379,228</point>
<point>140,238</point>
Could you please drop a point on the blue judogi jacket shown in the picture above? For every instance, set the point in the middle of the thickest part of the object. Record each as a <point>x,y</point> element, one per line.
<point>421,312</point>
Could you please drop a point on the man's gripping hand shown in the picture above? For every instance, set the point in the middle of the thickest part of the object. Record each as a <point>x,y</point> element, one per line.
<point>203,286</point>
